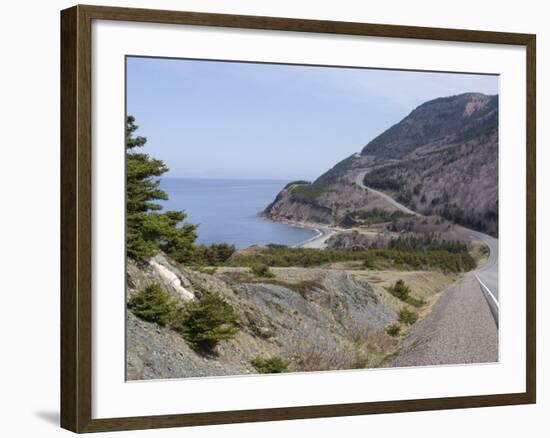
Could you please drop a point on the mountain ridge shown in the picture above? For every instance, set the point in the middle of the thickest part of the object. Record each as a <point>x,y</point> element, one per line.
<point>456,118</point>
<point>440,159</point>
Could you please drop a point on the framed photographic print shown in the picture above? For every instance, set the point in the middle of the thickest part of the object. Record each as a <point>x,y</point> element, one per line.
<point>270,218</point>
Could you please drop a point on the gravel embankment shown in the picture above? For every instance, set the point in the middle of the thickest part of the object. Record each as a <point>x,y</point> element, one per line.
<point>459,330</point>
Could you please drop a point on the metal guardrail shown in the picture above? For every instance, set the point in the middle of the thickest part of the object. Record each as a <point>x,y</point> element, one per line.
<point>490,298</point>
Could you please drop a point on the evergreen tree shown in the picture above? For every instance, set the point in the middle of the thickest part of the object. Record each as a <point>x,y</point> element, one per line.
<point>148,230</point>
<point>207,321</point>
<point>153,304</point>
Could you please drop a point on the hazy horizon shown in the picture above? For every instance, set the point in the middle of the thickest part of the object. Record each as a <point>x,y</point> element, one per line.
<point>229,120</point>
<point>235,178</point>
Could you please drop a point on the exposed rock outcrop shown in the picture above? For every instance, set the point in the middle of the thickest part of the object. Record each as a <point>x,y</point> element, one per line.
<point>303,311</point>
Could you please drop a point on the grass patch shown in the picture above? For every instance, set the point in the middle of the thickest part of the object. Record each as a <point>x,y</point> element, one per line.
<point>371,346</point>
<point>403,292</point>
<point>415,302</point>
<point>271,365</point>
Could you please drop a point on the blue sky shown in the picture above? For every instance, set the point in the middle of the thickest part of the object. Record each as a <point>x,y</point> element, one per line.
<point>256,121</point>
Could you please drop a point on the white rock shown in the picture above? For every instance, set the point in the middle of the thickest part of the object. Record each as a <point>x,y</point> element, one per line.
<point>173,280</point>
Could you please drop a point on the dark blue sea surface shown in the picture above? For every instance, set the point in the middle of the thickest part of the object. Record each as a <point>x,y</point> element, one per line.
<point>226,210</point>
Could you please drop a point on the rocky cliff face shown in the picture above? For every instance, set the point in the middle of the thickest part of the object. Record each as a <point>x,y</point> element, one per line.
<point>315,318</point>
<point>330,205</point>
<point>441,159</point>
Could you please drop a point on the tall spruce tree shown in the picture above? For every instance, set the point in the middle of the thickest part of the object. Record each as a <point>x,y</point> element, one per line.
<point>147,229</point>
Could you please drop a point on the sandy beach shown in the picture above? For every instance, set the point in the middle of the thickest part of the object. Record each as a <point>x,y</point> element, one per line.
<point>318,241</point>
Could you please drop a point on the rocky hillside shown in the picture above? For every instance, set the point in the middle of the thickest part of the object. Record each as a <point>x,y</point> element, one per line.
<point>441,159</point>
<point>437,124</point>
<point>316,319</point>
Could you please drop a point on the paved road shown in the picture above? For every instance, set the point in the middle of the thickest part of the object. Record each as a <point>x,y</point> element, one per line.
<point>463,325</point>
<point>359,182</point>
<point>487,274</point>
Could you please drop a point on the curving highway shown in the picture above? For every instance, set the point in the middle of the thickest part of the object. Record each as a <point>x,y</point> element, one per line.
<point>463,325</point>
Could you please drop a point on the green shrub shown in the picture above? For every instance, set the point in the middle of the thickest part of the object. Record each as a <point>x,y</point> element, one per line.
<point>271,365</point>
<point>205,322</point>
<point>393,329</point>
<point>407,317</point>
<point>153,304</point>
<point>262,270</point>
<point>214,254</point>
<point>399,290</point>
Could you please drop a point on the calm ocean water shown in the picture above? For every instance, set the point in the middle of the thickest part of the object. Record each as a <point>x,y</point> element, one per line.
<point>226,210</point>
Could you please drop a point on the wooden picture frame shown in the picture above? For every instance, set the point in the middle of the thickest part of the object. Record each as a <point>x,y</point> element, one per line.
<point>76,218</point>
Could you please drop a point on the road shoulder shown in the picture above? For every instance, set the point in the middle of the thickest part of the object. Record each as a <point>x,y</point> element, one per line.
<point>459,330</point>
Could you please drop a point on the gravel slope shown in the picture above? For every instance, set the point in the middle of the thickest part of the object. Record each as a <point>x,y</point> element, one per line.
<point>319,319</point>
